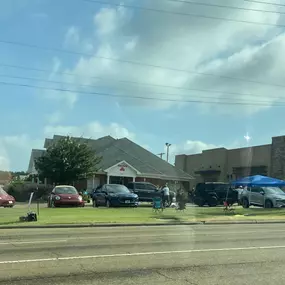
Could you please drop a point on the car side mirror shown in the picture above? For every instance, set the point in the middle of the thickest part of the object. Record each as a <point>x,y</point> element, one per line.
<point>262,192</point>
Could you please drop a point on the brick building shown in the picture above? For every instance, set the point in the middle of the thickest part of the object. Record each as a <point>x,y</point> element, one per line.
<point>230,164</point>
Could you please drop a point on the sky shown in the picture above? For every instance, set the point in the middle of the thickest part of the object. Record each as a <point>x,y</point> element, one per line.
<point>195,76</point>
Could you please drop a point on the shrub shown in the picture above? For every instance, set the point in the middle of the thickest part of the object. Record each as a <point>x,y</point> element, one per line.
<point>22,191</point>
<point>181,198</point>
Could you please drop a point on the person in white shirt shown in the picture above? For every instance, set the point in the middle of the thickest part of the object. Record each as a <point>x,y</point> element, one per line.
<point>166,198</point>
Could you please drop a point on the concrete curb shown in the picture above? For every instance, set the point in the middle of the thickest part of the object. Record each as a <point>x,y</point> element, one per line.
<point>56,226</point>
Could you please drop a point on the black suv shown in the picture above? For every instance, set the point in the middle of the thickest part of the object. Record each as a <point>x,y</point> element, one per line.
<point>213,194</point>
<point>147,191</point>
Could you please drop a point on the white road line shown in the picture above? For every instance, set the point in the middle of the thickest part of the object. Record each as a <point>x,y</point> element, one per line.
<point>85,238</point>
<point>189,234</point>
<point>33,242</point>
<point>139,254</point>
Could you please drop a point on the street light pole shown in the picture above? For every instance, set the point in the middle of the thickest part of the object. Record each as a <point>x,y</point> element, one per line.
<point>167,152</point>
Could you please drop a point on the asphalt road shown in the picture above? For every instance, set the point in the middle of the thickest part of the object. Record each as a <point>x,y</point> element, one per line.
<point>230,254</point>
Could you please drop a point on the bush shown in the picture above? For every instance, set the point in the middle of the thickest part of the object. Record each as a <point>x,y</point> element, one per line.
<point>181,198</point>
<point>22,191</point>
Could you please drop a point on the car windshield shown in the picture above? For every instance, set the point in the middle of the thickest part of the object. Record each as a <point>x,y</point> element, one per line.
<point>65,190</point>
<point>273,190</point>
<point>3,192</point>
<point>121,189</point>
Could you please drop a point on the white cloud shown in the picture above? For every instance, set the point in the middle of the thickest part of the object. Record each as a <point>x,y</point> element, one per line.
<point>196,44</point>
<point>189,147</point>
<point>54,117</point>
<point>131,44</point>
<point>4,158</point>
<point>108,20</point>
<point>92,130</point>
<point>72,37</point>
<point>62,98</point>
<point>15,151</point>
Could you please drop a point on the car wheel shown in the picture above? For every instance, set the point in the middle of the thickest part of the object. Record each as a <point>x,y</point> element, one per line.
<point>108,204</point>
<point>200,203</point>
<point>213,202</point>
<point>94,204</point>
<point>268,204</point>
<point>245,203</point>
<point>52,205</point>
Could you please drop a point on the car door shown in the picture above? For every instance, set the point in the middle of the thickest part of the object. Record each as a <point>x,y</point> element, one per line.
<point>100,196</point>
<point>141,191</point>
<point>151,191</point>
<point>131,187</point>
<point>256,197</point>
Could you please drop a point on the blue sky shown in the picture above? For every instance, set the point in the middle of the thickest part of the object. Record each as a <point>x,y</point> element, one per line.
<point>29,114</point>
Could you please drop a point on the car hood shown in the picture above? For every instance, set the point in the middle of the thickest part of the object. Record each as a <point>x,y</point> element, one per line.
<point>6,197</point>
<point>278,196</point>
<point>66,196</point>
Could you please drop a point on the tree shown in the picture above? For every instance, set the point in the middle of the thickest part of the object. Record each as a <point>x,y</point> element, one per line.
<point>67,160</point>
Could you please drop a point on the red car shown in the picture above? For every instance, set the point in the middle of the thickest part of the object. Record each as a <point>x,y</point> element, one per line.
<point>6,200</point>
<point>65,195</point>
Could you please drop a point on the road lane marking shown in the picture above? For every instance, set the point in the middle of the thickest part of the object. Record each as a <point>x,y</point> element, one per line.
<point>85,238</point>
<point>189,234</point>
<point>33,242</point>
<point>138,254</point>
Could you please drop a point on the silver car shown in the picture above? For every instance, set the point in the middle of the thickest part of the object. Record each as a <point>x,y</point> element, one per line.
<point>267,197</point>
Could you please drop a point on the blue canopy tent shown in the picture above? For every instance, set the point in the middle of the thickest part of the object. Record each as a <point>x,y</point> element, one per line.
<point>258,180</point>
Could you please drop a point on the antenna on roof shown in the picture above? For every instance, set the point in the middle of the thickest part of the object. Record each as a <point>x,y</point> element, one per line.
<point>161,154</point>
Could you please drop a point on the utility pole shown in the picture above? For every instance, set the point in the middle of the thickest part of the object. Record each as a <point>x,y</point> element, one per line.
<point>167,152</point>
<point>161,154</point>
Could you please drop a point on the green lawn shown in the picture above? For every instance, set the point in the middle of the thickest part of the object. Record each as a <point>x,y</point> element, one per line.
<point>135,215</point>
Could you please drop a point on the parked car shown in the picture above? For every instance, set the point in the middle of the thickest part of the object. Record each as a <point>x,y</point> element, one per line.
<point>147,191</point>
<point>114,195</point>
<point>213,194</point>
<point>65,195</point>
<point>6,200</point>
<point>268,197</point>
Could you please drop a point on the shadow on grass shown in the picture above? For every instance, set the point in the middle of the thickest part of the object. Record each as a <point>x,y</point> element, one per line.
<point>243,212</point>
<point>167,217</point>
<point>10,223</point>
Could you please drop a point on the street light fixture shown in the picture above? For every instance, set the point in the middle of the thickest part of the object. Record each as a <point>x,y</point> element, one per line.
<point>167,152</point>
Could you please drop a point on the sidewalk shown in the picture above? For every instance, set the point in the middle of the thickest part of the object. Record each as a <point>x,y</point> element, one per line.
<point>31,225</point>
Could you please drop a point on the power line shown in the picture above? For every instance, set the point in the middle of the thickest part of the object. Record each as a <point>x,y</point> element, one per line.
<point>138,63</point>
<point>266,3</point>
<point>140,97</point>
<point>152,92</point>
<point>226,7</point>
<point>134,82</point>
<point>184,14</point>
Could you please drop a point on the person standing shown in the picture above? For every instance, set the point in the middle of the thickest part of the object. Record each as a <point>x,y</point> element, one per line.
<point>165,191</point>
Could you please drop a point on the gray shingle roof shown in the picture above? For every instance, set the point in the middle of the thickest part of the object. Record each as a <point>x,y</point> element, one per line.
<point>36,153</point>
<point>141,159</point>
<point>98,144</point>
<point>114,151</point>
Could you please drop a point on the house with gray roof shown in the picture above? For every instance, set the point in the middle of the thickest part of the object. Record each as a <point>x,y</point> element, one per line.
<point>122,161</point>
